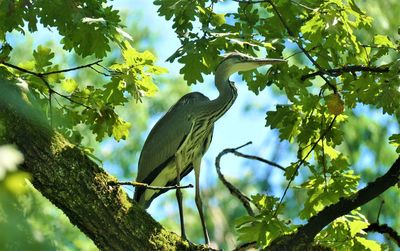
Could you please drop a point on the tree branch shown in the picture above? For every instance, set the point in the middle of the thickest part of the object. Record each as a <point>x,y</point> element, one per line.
<point>339,71</point>
<point>320,71</point>
<point>302,161</point>
<point>306,233</point>
<point>42,75</point>
<point>384,229</point>
<point>232,189</point>
<point>72,69</point>
<point>246,246</point>
<point>147,186</point>
<point>253,157</point>
<point>290,32</point>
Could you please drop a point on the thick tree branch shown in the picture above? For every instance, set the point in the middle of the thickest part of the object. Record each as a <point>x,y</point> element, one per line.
<point>246,246</point>
<point>306,234</point>
<point>77,185</point>
<point>351,68</point>
<point>384,229</point>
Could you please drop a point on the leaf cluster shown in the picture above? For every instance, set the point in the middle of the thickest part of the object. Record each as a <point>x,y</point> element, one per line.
<point>265,226</point>
<point>91,29</point>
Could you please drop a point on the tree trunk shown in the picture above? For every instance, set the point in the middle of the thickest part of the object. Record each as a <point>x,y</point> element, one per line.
<point>77,185</point>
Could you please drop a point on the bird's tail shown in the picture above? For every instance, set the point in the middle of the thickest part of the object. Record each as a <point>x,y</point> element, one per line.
<point>140,198</point>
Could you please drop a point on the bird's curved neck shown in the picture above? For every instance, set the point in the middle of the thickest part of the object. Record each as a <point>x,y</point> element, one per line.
<point>222,81</point>
<point>227,94</point>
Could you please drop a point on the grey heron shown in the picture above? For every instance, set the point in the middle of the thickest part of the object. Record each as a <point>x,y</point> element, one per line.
<point>178,141</point>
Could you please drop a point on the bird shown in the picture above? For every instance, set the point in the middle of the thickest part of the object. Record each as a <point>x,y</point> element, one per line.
<point>178,141</point>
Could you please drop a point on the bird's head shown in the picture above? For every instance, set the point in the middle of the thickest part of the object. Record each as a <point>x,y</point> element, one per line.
<point>236,61</point>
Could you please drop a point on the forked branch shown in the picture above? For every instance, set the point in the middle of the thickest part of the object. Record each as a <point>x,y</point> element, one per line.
<point>232,189</point>
<point>42,77</point>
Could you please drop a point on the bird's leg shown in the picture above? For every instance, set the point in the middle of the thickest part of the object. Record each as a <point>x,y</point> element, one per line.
<point>178,163</point>
<point>199,203</point>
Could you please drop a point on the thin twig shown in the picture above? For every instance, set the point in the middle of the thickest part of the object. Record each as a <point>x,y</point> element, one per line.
<point>20,69</point>
<point>39,74</point>
<point>236,192</point>
<point>42,77</point>
<point>147,186</point>
<point>253,157</point>
<point>312,60</point>
<point>302,5</point>
<point>293,54</point>
<point>100,72</point>
<point>51,110</point>
<point>71,69</point>
<point>302,161</point>
<point>339,71</point>
<point>379,211</point>
<point>266,1</point>
<point>232,189</point>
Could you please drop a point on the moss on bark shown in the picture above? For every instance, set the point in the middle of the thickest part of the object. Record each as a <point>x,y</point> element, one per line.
<point>77,185</point>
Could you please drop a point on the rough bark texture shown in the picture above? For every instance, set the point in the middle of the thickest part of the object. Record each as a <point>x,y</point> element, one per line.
<point>77,185</point>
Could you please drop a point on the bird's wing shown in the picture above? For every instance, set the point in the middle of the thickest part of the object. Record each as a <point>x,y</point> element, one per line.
<point>166,136</point>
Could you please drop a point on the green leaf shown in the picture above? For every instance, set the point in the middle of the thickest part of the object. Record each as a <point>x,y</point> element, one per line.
<point>43,56</point>
<point>285,118</point>
<point>244,220</point>
<point>395,141</point>
<point>133,75</point>
<point>69,85</point>
<point>120,129</point>
<point>369,244</point>
<point>193,66</point>
<point>218,19</point>
<point>357,226</point>
<point>5,51</point>
<point>383,41</point>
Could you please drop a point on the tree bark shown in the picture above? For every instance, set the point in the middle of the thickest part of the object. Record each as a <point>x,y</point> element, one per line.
<point>76,184</point>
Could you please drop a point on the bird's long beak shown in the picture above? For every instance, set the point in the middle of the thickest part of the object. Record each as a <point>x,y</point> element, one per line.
<point>254,63</point>
<point>266,61</point>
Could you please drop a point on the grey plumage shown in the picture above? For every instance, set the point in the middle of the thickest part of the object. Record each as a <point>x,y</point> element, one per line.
<point>178,141</point>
